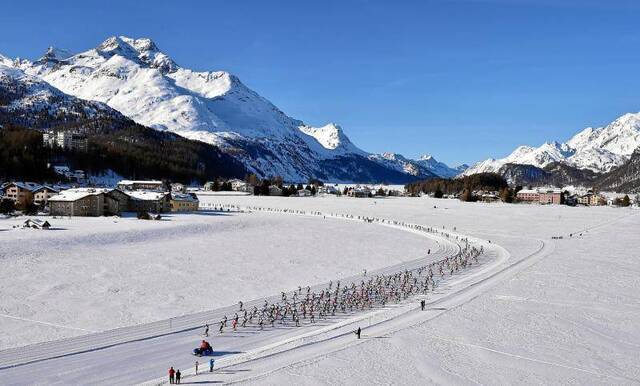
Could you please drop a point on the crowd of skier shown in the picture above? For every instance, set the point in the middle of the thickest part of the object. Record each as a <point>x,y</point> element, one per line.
<point>305,305</point>
<point>310,305</point>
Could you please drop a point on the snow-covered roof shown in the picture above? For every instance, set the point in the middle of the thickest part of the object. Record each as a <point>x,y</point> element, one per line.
<point>71,195</point>
<point>528,191</point>
<point>551,190</point>
<point>146,195</point>
<point>184,197</point>
<point>30,186</point>
<point>139,182</point>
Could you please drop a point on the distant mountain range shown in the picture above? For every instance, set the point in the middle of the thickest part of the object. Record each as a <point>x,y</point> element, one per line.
<point>136,79</point>
<point>129,80</point>
<point>582,160</point>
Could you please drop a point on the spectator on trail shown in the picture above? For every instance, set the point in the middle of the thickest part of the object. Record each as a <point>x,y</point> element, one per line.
<point>172,374</point>
<point>358,332</point>
<point>422,304</point>
<point>178,374</point>
<point>196,367</point>
<point>211,365</point>
<point>206,330</point>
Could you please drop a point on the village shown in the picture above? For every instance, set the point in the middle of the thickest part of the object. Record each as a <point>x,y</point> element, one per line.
<point>150,198</point>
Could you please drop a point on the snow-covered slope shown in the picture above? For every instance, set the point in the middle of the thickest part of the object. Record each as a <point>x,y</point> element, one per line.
<point>134,77</point>
<point>597,149</point>
<point>440,168</point>
<point>29,100</point>
<point>424,167</point>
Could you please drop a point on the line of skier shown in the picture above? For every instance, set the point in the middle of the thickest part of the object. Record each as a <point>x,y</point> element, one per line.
<point>307,305</point>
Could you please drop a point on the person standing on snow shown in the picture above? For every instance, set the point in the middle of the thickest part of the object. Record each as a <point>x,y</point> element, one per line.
<point>178,375</point>
<point>358,332</point>
<point>211,361</point>
<point>206,330</point>
<point>422,304</point>
<point>196,367</point>
<point>172,373</point>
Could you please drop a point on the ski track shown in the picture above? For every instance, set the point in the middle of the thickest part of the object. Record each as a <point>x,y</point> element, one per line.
<point>266,350</point>
<point>68,351</point>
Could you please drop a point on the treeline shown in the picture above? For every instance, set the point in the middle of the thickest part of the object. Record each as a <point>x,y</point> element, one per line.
<point>132,151</point>
<point>23,157</point>
<point>463,187</point>
<point>481,181</point>
<point>261,187</point>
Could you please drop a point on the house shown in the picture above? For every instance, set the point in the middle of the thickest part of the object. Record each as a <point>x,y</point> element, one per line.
<point>597,200</point>
<point>21,193</point>
<point>329,189</point>
<point>184,202</point>
<point>275,191</point>
<point>81,202</point>
<point>304,193</point>
<point>585,198</point>
<point>240,186</point>
<point>592,199</point>
<point>42,195</point>
<point>528,195</point>
<point>117,202</point>
<point>36,224</point>
<point>360,192</point>
<point>149,201</point>
<point>490,197</point>
<point>128,185</point>
<point>550,196</point>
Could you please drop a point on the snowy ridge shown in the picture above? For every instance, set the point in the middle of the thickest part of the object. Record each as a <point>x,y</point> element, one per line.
<point>596,149</point>
<point>424,167</point>
<point>134,77</point>
<point>28,95</point>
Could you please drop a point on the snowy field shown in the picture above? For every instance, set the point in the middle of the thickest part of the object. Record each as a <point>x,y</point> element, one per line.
<point>550,311</point>
<point>92,274</point>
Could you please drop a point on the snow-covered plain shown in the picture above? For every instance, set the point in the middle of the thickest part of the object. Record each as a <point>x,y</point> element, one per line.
<point>570,314</point>
<point>548,311</point>
<point>93,274</point>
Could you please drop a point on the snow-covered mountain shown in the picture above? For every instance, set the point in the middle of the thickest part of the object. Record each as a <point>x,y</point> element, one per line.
<point>596,149</point>
<point>424,167</point>
<point>31,101</point>
<point>440,168</point>
<point>137,79</point>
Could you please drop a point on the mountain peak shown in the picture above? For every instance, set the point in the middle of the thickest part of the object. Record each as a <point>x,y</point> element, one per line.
<point>426,157</point>
<point>330,136</point>
<point>55,54</point>
<point>142,50</point>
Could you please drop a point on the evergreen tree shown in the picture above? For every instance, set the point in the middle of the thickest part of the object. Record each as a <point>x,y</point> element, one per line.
<point>7,206</point>
<point>626,201</point>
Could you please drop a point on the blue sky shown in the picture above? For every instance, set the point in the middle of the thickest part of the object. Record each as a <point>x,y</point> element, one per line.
<point>462,80</point>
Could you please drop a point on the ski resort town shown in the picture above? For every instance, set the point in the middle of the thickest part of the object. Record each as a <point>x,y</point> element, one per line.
<point>160,197</point>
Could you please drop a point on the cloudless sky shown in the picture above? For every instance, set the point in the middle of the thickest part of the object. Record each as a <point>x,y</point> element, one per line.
<point>462,80</point>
